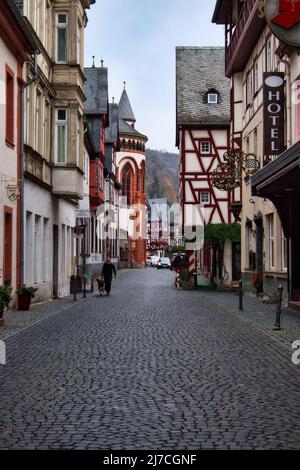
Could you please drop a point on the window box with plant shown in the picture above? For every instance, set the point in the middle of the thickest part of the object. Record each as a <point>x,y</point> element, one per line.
<point>24,296</point>
<point>5,299</point>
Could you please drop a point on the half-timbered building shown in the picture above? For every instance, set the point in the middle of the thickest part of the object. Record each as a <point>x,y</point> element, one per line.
<point>252,55</point>
<point>202,136</point>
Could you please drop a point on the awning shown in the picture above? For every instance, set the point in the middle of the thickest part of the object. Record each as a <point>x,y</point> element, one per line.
<point>280,176</point>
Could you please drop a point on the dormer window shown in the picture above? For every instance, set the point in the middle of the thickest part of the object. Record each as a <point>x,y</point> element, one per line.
<point>212,97</point>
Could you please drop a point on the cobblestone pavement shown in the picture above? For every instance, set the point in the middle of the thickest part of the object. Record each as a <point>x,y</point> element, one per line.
<point>149,368</point>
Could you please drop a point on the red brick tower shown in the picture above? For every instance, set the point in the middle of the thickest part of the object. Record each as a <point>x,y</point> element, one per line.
<point>131,170</point>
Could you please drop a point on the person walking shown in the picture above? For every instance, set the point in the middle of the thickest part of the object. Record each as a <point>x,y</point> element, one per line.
<point>107,273</point>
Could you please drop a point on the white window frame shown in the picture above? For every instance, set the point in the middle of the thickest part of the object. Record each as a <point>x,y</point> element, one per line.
<point>255,76</point>
<point>249,89</point>
<point>271,242</point>
<point>79,43</point>
<point>202,143</point>
<point>212,98</point>
<point>284,247</point>
<point>59,26</point>
<point>60,122</point>
<point>206,202</point>
<point>269,55</point>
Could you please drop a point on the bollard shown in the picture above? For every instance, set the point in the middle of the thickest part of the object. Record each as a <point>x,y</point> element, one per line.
<point>241,307</point>
<point>75,297</point>
<point>279,309</point>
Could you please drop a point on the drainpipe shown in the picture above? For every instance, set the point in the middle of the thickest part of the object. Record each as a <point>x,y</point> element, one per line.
<point>22,165</point>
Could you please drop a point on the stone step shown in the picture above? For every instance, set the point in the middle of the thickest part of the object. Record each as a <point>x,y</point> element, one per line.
<point>295,305</point>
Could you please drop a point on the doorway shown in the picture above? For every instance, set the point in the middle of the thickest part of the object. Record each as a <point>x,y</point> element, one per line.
<point>55,261</point>
<point>7,246</point>
<point>236,261</point>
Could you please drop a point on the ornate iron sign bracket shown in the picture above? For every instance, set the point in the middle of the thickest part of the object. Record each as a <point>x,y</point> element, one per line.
<point>228,174</point>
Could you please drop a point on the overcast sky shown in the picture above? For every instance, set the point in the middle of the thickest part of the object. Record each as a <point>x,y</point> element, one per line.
<point>137,40</point>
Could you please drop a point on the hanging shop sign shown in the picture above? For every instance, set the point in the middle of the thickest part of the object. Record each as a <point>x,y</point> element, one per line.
<point>283,18</point>
<point>273,90</point>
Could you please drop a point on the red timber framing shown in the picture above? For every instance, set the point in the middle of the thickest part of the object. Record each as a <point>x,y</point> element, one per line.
<point>220,202</point>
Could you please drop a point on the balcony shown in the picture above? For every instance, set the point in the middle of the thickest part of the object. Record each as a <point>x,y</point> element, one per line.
<point>67,182</point>
<point>242,39</point>
<point>34,166</point>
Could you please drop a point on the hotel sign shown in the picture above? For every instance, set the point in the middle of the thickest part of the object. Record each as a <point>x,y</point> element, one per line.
<point>273,113</point>
<point>283,18</point>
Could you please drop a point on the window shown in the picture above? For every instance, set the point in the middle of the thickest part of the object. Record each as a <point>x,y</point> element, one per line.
<point>249,93</point>
<point>284,256</point>
<point>47,132</point>
<point>47,24</point>
<point>38,122</point>
<point>255,77</point>
<point>10,103</point>
<point>45,249</point>
<point>61,37</point>
<point>269,55</point>
<point>204,197</point>
<point>271,242</point>
<point>212,98</point>
<point>79,54</point>
<point>126,183</point>
<point>37,22</point>
<point>61,135</point>
<point>78,144</point>
<point>63,250</point>
<point>205,147</point>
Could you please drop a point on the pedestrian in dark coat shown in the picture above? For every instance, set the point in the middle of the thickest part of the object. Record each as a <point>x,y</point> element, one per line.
<point>107,273</point>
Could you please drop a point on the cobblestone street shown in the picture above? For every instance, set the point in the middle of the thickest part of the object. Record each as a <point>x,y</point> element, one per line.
<point>151,368</point>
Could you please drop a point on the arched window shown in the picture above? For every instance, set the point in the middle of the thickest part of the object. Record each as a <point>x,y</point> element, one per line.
<point>129,145</point>
<point>212,96</point>
<point>126,183</point>
<point>133,145</point>
<point>123,144</point>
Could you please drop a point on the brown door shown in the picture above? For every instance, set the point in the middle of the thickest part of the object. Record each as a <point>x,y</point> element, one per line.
<point>236,261</point>
<point>7,254</point>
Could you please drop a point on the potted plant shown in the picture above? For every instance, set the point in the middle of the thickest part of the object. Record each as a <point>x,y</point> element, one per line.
<point>257,283</point>
<point>5,298</point>
<point>24,296</point>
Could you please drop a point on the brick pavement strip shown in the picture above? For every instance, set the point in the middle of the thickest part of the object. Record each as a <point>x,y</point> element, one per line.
<point>151,368</point>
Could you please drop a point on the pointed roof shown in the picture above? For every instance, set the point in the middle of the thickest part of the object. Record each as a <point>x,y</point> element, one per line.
<point>125,109</point>
<point>126,129</point>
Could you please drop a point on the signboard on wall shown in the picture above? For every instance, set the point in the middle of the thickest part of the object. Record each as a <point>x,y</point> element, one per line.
<point>274,126</point>
<point>283,18</point>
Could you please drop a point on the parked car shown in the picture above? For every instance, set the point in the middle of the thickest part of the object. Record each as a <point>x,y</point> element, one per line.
<point>164,263</point>
<point>148,261</point>
<point>154,260</point>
